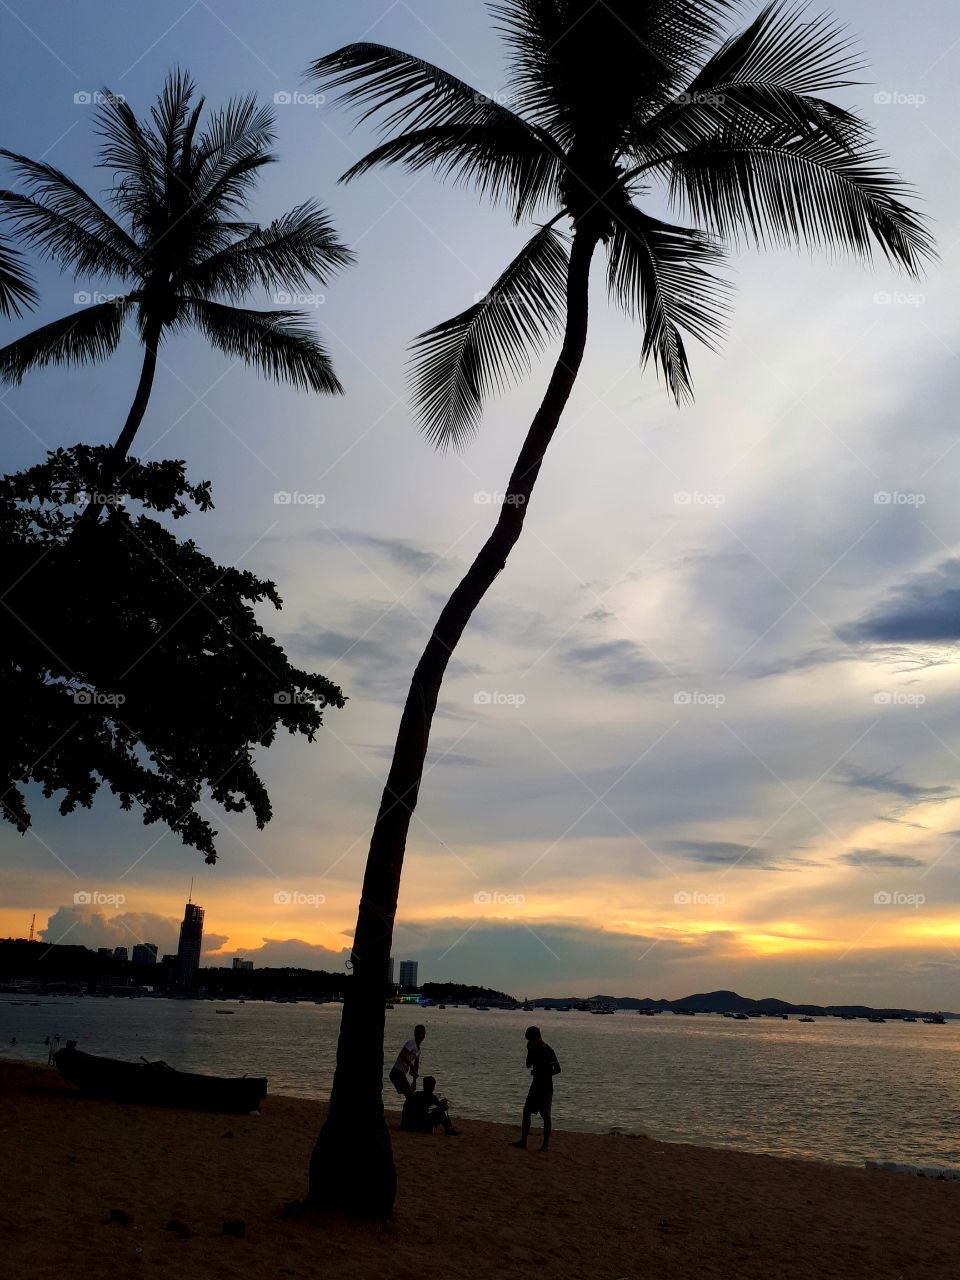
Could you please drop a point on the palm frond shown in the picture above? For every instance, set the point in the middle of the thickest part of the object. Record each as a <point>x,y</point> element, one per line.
<point>291,252</point>
<point>748,183</point>
<point>60,217</point>
<point>771,73</point>
<point>17,291</point>
<point>127,150</point>
<point>420,93</point>
<point>591,71</point>
<point>504,158</point>
<point>660,274</point>
<point>231,149</point>
<point>281,344</point>
<point>85,337</point>
<point>457,364</point>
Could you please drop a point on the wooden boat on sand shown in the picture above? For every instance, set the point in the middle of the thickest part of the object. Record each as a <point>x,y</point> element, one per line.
<point>158,1084</point>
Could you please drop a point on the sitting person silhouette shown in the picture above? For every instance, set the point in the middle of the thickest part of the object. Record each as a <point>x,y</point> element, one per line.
<point>423,1111</point>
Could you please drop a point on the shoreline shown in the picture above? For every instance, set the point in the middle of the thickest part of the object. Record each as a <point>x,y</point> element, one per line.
<point>597,1206</point>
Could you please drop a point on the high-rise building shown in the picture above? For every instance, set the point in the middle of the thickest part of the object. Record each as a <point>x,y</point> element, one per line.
<point>120,953</point>
<point>145,953</point>
<point>240,963</point>
<point>105,951</point>
<point>390,969</point>
<point>191,940</point>
<point>408,973</point>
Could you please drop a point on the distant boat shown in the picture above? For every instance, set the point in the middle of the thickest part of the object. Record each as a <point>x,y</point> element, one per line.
<point>935,1020</point>
<point>805,1019</point>
<point>230,1012</point>
<point>158,1084</point>
<point>439,1006</point>
<point>527,1008</point>
<point>390,1006</point>
<point>909,1019</point>
<point>741,1017</point>
<point>876,1018</point>
<point>484,1008</point>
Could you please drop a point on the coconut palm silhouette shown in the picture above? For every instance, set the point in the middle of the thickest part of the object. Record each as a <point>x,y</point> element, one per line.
<point>610,102</point>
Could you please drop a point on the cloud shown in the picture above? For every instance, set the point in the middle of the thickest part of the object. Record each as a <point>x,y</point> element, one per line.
<point>281,953</point>
<point>877,858</point>
<point>924,609</point>
<point>889,784</point>
<point>725,853</point>
<point>80,926</point>
<point>399,551</point>
<point>617,663</point>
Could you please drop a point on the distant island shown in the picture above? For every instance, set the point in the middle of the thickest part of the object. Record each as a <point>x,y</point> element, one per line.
<point>59,968</point>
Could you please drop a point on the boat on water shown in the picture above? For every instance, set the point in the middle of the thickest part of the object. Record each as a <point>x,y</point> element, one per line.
<point>158,1084</point>
<point>484,1008</point>
<point>935,1020</point>
<point>805,1019</point>
<point>909,1019</point>
<point>390,1006</point>
<point>876,1018</point>
<point>441,1006</point>
<point>741,1017</point>
<point>229,1012</point>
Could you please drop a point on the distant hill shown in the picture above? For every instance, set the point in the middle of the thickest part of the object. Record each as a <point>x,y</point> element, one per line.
<point>732,1002</point>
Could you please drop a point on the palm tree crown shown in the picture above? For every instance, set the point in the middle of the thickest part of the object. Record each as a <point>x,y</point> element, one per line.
<point>608,100</point>
<point>177,241</point>
<point>17,290</point>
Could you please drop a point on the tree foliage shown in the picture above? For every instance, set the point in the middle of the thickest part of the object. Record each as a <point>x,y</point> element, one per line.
<point>131,659</point>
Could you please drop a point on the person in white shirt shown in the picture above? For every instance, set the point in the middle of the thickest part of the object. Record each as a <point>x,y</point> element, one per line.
<point>408,1061</point>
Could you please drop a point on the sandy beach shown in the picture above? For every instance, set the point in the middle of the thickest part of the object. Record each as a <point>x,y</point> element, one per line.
<point>597,1206</point>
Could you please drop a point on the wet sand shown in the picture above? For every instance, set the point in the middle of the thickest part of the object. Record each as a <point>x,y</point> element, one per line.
<point>597,1207</point>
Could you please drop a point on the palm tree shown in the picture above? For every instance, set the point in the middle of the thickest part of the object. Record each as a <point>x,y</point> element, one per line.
<point>609,101</point>
<point>178,243</point>
<point>16,284</point>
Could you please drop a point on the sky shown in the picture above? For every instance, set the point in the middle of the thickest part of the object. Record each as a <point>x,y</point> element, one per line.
<point>702,733</point>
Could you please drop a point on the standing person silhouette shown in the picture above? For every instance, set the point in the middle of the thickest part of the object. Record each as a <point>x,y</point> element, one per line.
<point>408,1060</point>
<point>543,1066</point>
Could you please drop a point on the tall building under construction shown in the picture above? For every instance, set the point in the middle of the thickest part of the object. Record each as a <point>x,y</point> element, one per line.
<point>188,951</point>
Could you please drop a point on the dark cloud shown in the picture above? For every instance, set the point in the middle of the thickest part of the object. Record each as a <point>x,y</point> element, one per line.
<point>902,822</point>
<point>889,784</point>
<point>618,663</point>
<point>877,858</point>
<point>925,609</point>
<point>399,551</point>
<point>724,853</point>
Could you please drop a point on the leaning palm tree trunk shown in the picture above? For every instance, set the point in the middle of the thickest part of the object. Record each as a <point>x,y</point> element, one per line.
<point>352,1165</point>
